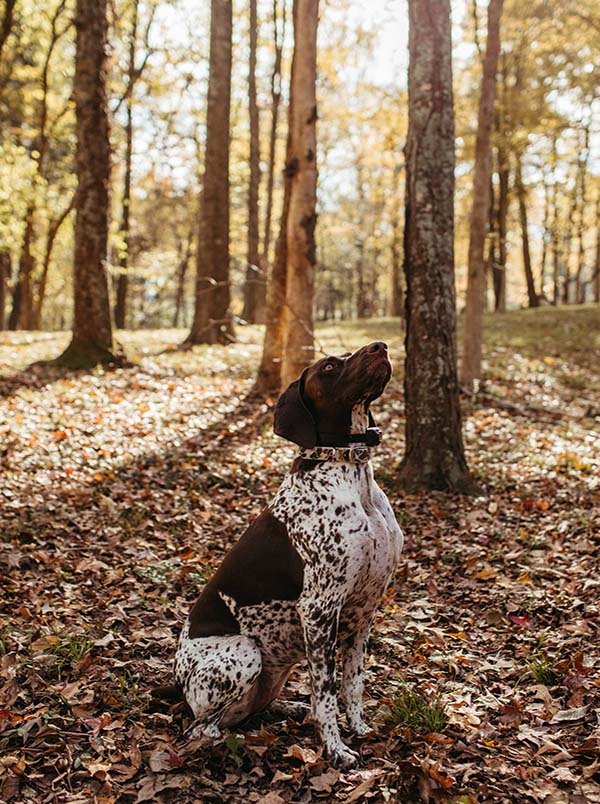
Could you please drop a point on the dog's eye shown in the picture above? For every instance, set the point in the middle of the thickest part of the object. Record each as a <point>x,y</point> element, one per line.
<point>328,366</point>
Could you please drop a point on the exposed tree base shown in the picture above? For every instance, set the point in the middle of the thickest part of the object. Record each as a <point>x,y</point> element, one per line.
<point>79,355</point>
<point>414,475</point>
<point>221,333</point>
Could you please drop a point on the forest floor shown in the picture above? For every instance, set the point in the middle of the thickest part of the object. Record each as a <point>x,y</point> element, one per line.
<point>120,492</point>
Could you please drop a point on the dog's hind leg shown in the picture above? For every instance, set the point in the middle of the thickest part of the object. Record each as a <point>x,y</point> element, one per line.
<point>219,677</point>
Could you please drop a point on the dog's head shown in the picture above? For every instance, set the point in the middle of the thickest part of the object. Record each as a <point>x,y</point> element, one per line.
<point>331,399</point>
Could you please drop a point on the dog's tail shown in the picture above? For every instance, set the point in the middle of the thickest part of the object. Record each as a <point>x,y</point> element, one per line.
<point>168,692</point>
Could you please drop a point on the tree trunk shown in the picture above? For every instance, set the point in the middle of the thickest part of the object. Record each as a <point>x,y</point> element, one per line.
<point>4,274</point>
<point>212,319</point>
<point>298,349</point>
<point>275,103</point>
<point>532,298</point>
<point>596,276</point>
<point>473,329</point>
<point>53,229</point>
<point>92,332</point>
<point>121,300</point>
<point>582,203</point>
<point>397,306</point>
<point>268,380</point>
<point>253,272</point>
<point>434,457</point>
<point>555,229</point>
<point>545,235</point>
<point>7,23</point>
<point>21,316</point>
<point>181,274</point>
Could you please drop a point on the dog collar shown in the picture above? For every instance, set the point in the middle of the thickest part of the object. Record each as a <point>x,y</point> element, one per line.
<point>370,438</point>
<point>336,454</point>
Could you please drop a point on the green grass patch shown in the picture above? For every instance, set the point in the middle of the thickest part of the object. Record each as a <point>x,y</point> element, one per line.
<point>418,712</point>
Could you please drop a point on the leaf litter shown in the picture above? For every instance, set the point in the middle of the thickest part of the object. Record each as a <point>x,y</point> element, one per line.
<point>122,490</point>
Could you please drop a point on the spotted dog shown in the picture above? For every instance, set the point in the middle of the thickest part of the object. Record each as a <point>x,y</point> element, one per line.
<point>308,574</point>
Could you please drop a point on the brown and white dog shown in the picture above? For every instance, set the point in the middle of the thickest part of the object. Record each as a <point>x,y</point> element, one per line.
<point>310,571</point>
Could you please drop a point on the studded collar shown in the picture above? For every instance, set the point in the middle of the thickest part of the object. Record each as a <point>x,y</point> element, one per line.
<point>336,454</point>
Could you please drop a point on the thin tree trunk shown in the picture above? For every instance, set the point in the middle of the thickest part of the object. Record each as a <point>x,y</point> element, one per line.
<point>434,457</point>
<point>21,316</point>
<point>545,235</point>
<point>596,276</point>
<point>7,23</point>
<point>121,300</point>
<point>397,306</point>
<point>298,349</point>
<point>4,274</point>
<point>269,373</point>
<point>92,332</point>
<point>213,322</point>
<point>181,274</point>
<point>53,229</point>
<point>253,278</point>
<point>275,104</point>
<point>532,298</point>
<point>555,228</point>
<point>582,202</point>
<point>473,329</point>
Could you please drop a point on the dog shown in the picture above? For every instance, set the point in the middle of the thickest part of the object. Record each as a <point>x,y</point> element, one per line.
<point>309,573</point>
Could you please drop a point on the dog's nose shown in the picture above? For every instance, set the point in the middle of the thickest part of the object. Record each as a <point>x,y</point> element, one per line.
<point>377,346</point>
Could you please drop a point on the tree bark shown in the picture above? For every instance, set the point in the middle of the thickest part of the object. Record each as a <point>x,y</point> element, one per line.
<point>434,457</point>
<point>253,272</point>
<point>4,275</point>
<point>532,298</point>
<point>92,332</point>
<point>298,349</point>
<point>212,319</point>
<point>473,329</point>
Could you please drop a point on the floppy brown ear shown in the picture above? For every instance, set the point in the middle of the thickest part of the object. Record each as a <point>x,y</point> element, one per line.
<point>372,422</point>
<point>293,420</point>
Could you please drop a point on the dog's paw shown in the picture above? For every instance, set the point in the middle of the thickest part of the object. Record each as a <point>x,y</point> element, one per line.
<point>360,728</point>
<point>198,730</point>
<point>343,758</point>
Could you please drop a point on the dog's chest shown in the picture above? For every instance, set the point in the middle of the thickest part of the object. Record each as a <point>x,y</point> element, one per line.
<point>344,528</point>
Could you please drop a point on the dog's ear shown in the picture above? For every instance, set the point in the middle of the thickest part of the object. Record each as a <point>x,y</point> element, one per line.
<point>293,420</point>
<point>372,422</point>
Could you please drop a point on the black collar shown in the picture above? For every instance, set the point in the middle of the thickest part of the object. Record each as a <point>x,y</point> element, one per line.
<point>370,438</point>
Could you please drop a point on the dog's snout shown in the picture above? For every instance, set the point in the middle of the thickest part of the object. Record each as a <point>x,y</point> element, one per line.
<point>377,346</point>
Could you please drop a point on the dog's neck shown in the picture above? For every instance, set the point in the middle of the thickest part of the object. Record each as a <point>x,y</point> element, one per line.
<point>359,420</point>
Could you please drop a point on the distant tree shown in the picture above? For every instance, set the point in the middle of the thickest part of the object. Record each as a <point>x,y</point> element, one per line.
<point>434,457</point>
<point>269,373</point>
<point>298,348</point>
<point>253,276</point>
<point>92,332</point>
<point>480,204</point>
<point>6,23</point>
<point>4,275</point>
<point>532,297</point>
<point>278,39</point>
<point>212,319</point>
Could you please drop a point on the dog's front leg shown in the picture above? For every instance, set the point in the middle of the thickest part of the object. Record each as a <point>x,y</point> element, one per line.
<point>353,675</point>
<point>320,624</point>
